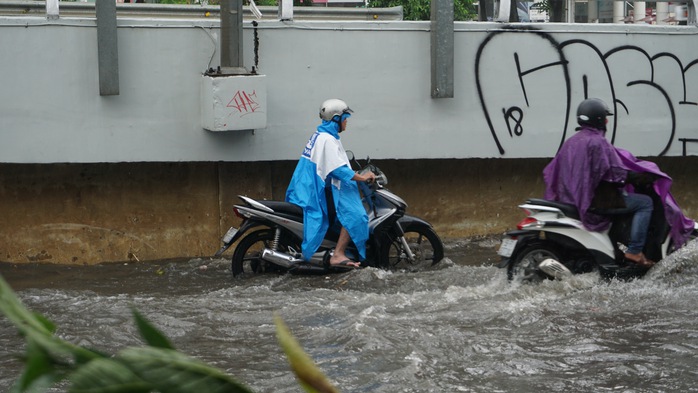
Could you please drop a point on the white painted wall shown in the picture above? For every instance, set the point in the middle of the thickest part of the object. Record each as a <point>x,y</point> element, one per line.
<point>515,90</point>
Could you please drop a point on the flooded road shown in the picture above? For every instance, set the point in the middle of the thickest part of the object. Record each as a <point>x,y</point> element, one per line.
<point>460,327</point>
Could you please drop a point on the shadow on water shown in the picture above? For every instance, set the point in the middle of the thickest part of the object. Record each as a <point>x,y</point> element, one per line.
<point>459,327</point>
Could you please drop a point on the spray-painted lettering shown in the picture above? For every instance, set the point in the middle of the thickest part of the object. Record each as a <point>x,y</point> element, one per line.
<point>539,86</point>
<point>244,102</point>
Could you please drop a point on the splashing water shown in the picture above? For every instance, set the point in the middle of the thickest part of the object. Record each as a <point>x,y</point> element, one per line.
<point>461,327</point>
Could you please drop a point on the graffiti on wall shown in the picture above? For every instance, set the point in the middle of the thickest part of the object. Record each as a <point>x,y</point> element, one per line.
<point>244,102</point>
<point>534,83</point>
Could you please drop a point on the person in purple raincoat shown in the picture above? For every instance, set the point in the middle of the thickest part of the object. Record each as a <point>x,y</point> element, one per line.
<point>585,164</point>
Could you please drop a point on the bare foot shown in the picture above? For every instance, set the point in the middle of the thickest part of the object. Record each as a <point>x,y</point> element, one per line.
<point>639,259</point>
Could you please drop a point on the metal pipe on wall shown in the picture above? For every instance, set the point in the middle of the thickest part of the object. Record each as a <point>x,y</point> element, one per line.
<point>231,37</point>
<point>52,9</point>
<point>442,47</point>
<point>107,48</point>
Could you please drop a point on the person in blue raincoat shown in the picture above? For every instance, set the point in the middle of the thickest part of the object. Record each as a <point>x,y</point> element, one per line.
<point>324,164</point>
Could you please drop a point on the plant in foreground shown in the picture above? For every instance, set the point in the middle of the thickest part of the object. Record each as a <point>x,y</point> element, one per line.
<point>156,367</point>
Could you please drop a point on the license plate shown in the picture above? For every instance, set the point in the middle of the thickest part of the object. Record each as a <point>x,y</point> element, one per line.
<point>507,247</point>
<point>229,235</point>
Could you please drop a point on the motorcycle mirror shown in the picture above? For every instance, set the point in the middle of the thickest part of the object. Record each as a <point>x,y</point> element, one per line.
<point>352,158</point>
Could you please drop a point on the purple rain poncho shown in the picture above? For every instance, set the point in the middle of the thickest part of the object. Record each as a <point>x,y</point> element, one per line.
<point>583,161</point>
<point>681,226</point>
<point>586,159</point>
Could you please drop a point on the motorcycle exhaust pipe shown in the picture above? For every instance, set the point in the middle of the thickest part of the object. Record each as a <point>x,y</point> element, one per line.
<point>554,268</point>
<point>280,258</point>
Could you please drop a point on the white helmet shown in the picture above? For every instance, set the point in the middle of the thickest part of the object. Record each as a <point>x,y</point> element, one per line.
<point>333,107</point>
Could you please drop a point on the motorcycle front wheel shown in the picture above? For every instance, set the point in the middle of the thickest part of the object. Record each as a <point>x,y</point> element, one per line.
<point>247,255</point>
<point>525,263</point>
<point>424,243</point>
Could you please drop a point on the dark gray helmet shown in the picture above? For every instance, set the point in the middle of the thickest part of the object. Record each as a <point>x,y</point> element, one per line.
<point>333,107</point>
<point>593,112</point>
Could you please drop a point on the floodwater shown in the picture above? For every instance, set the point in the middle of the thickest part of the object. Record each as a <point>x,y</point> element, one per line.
<point>460,327</point>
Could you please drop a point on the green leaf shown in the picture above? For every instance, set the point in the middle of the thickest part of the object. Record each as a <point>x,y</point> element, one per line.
<point>35,327</point>
<point>106,376</point>
<point>157,368</point>
<point>309,375</point>
<point>150,334</point>
<point>38,385</point>
<point>19,315</point>
<point>48,358</point>
<point>167,370</point>
<point>48,325</point>
<point>40,372</point>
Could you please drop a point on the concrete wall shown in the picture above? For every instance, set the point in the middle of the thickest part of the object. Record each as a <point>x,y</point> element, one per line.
<point>516,89</point>
<point>92,213</point>
<point>88,178</point>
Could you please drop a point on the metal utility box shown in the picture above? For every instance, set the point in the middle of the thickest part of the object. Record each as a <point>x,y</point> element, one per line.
<point>233,102</point>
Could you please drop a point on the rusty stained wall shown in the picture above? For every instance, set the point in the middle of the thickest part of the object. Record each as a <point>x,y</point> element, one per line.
<point>94,213</point>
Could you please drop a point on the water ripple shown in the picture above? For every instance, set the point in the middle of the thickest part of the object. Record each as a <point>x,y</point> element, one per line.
<point>461,327</point>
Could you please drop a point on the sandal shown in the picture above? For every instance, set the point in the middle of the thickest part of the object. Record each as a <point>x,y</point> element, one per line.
<point>347,263</point>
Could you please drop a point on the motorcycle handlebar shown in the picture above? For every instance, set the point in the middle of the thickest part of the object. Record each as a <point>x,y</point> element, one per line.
<point>380,178</point>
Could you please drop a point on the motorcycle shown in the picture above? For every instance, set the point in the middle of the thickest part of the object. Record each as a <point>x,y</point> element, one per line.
<point>551,242</point>
<point>270,235</point>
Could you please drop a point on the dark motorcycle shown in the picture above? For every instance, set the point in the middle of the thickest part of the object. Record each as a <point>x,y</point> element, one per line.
<point>270,235</point>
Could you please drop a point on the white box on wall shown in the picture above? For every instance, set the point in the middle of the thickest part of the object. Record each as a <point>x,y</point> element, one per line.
<point>234,102</point>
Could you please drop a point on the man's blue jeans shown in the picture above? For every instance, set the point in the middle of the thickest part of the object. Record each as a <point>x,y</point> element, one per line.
<point>641,206</point>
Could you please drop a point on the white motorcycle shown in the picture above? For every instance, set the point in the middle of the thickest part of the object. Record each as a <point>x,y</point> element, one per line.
<point>551,242</point>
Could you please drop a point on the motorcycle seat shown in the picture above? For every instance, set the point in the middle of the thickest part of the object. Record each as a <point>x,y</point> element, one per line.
<point>287,208</point>
<point>568,209</point>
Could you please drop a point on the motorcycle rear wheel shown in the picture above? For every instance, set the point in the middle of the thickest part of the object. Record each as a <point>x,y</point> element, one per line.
<point>525,263</point>
<point>247,255</point>
<point>424,243</point>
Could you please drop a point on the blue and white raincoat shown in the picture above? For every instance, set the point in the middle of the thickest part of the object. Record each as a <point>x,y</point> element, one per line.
<point>324,163</point>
